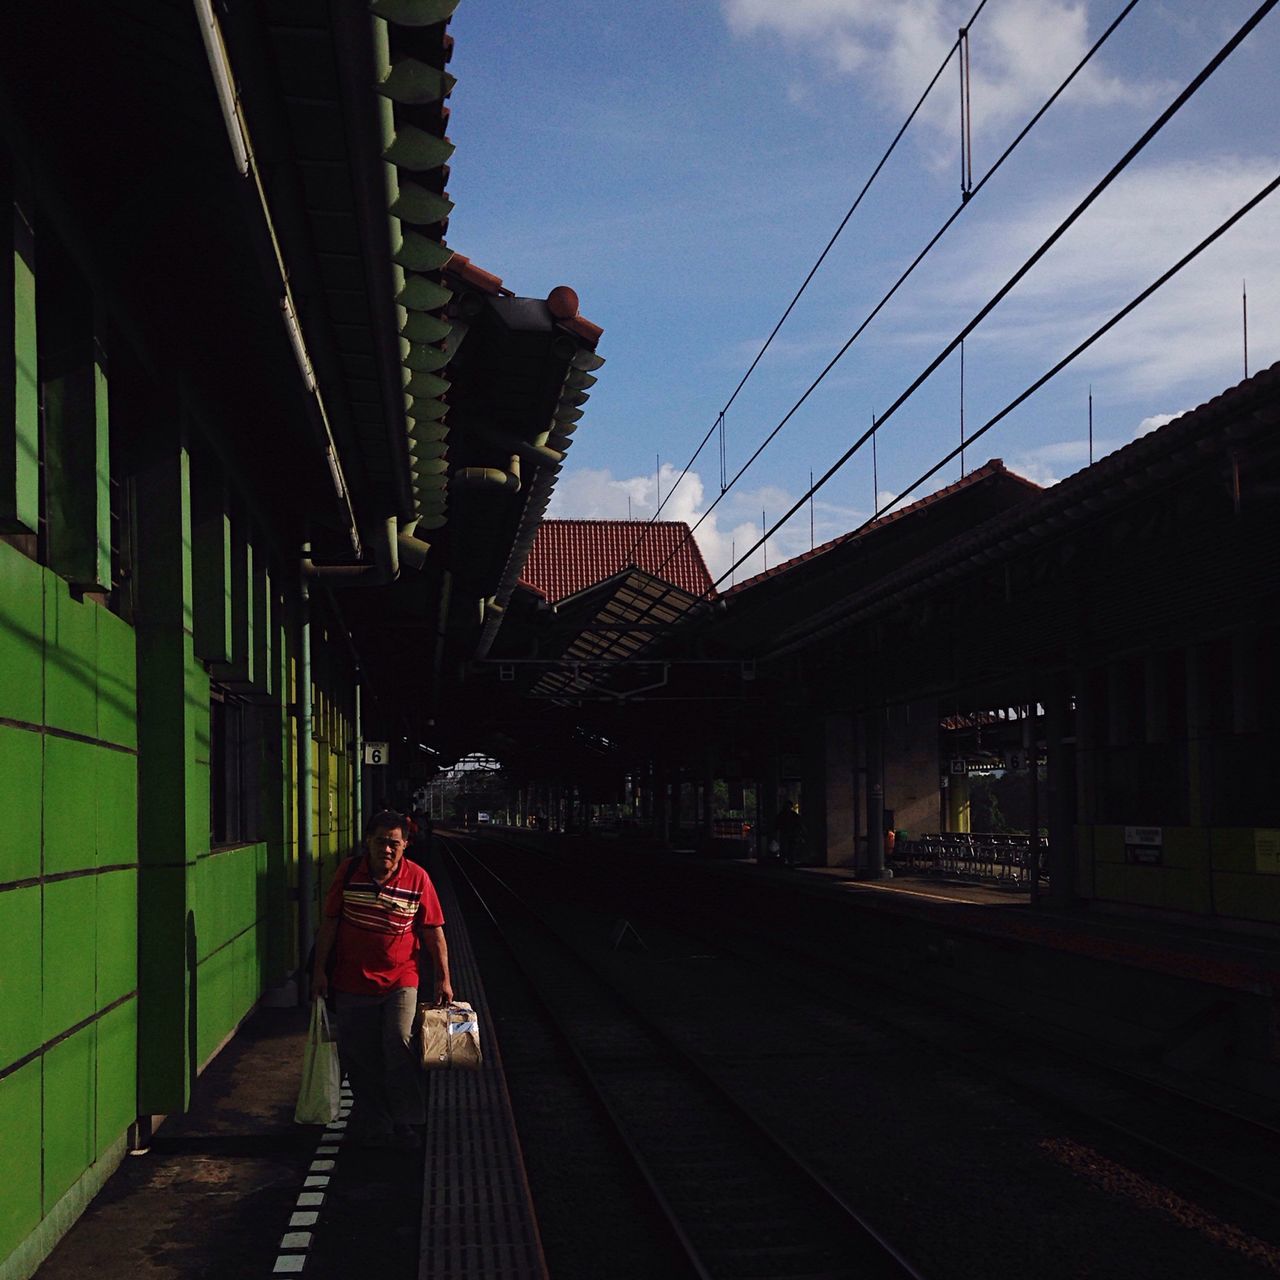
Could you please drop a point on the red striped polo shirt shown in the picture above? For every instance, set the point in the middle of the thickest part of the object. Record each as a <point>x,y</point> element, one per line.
<point>377,944</point>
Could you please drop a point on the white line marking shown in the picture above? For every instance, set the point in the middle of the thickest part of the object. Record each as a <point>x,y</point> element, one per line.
<point>316,1180</point>
<point>919,893</point>
<point>325,1149</point>
<point>304,1218</point>
<point>289,1263</point>
<point>310,1199</point>
<point>321,1166</point>
<point>296,1240</point>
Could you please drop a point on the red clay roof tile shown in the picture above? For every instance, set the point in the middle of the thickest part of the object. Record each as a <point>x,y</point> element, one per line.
<point>570,555</point>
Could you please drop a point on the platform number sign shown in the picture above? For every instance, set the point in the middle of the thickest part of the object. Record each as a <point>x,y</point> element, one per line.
<point>375,753</point>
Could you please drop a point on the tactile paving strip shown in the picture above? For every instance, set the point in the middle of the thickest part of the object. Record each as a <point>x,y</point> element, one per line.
<point>477,1219</point>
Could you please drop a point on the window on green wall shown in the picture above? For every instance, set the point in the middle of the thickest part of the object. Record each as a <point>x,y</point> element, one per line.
<point>235,769</point>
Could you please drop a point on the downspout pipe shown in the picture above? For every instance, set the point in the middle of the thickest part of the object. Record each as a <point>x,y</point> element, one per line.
<point>306,878</point>
<point>384,569</point>
<point>536,455</point>
<point>493,478</point>
<point>357,807</point>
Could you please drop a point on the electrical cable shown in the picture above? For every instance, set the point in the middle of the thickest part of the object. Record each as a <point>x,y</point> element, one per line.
<point>1129,156</point>
<point>1191,88</point>
<point>1027,392</point>
<point>866,186</point>
<point>915,262</point>
<point>1083,346</point>
<point>1161,280</point>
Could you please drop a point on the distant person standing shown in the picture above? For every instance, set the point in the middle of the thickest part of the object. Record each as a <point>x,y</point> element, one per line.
<point>380,916</point>
<point>788,830</point>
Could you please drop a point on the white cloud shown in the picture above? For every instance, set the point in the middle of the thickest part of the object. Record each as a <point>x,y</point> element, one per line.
<point>1154,422</point>
<point>1188,333</point>
<point>1019,53</point>
<point>725,534</point>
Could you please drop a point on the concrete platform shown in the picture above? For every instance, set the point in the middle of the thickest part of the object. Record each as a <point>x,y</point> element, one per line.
<point>236,1188</point>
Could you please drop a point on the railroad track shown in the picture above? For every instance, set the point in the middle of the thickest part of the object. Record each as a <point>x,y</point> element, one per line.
<point>736,1200</point>
<point>1217,1148</point>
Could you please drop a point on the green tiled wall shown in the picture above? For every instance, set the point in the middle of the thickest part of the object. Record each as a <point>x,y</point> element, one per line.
<point>20,1002</point>
<point>69,1112</point>
<point>70,804</point>
<point>1203,871</point>
<point>20,1117</point>
<point>116,819</point>
<point>117,689</point>
<point>68,931</point>
<point>20,784</point>
<point>21,637</point>
<point>70,660</point>
<point>116,1088</point>
<point>69,949</point>
<point>231,939</point>
<point>116,935</point>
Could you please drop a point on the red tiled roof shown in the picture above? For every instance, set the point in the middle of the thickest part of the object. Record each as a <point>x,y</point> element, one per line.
<point>570,555</point>
<point>994,467</point>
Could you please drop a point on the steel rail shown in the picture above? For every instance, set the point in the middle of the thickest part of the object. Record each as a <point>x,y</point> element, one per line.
<point>986,1061</point>
<point>598,1095</point>
<point>883,1253</point>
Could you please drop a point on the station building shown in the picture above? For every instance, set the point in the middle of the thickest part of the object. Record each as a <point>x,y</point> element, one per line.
<point>274,461</point>
<point>271,458</point>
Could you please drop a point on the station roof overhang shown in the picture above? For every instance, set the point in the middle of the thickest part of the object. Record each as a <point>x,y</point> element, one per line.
<point>757,617</point>
<point>261,194</point>
<point>1220,458</point>
<point>558,685</point>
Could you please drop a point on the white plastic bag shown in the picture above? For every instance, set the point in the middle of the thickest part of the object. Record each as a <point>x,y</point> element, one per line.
<point>321,1090</point>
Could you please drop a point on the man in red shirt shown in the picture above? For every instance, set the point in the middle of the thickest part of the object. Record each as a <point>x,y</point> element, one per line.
<point>380,914</point>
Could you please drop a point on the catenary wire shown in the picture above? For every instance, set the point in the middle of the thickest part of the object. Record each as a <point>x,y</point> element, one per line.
<point>915,262</point>
<point>768,342</point>
<point>1191,88</point>
<point>1106,327</point>
<point>1129,156</point>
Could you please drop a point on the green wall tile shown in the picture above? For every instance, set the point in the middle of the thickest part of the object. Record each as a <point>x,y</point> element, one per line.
<point>69,950</point>
<point>21,1025</point>
<point>117,807</point>
<point>247,985</point>
<point>20,1155</point>
<point>71,660</point>
<point>215,1001</point>
<point>207,908</point>
<point>117,935</point>
<point>70,820</point>
<point>117,681</point>
<point>22,751</point>
<point>69,1109</point>
<point>117,1082</point>
<point>21,637</point>
<point>1248,897</point>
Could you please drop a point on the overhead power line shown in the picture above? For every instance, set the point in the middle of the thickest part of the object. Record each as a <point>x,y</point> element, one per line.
<point>718,424</point>
<point>1123,163</point>
<point>1163,119</point>
<point>916,261</point>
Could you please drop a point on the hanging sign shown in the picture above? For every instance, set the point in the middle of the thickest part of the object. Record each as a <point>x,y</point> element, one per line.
<point>375,752</point>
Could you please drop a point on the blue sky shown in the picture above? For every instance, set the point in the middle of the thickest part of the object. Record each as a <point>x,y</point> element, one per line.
<point>681,163</point>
